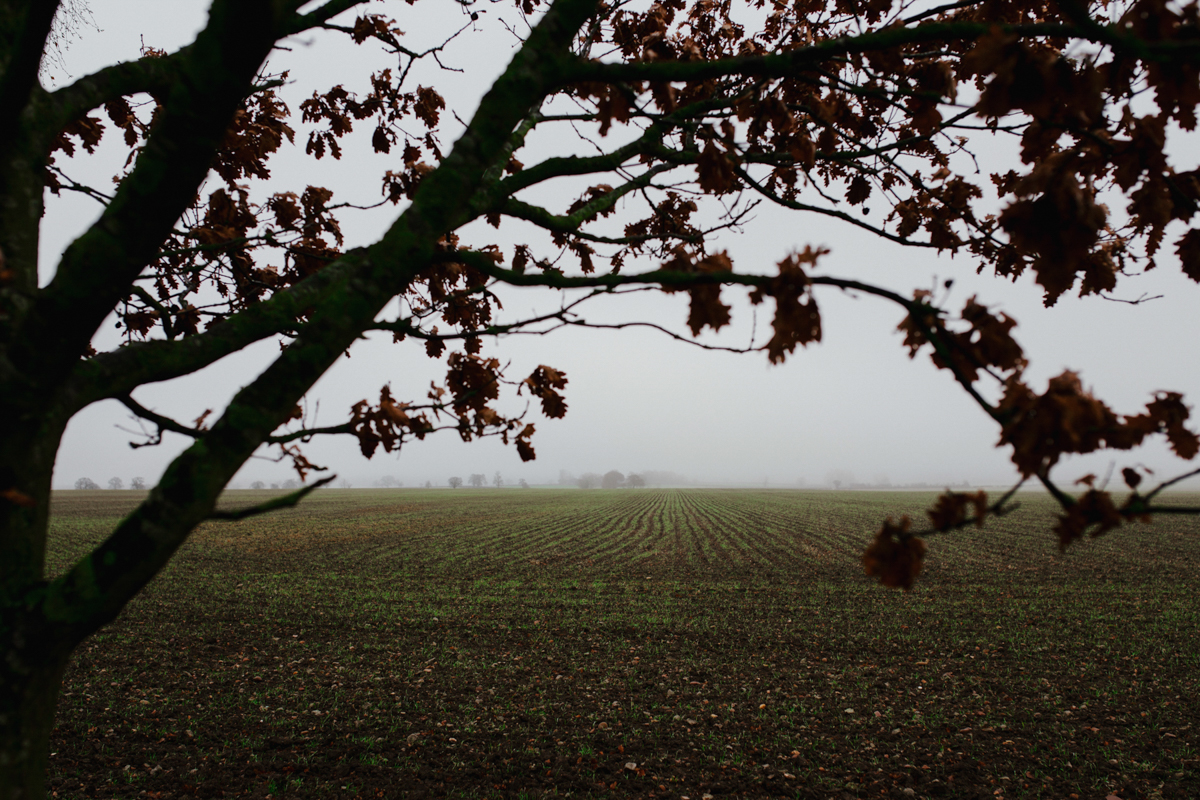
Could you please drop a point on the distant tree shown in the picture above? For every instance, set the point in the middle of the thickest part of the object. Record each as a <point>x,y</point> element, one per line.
<point>116,483</point>
<point>389,482</point>
<point>588,480</point>
<point>612,480</point>
<point>497,481</point>
<point>566,478</point>
<point>258,485</point>
<point>138,483</point>
<point>428,484</point>
<point>291,483</point>
<point>343,484</point>
<point>478,480</point>
<point>840,478</point>
<point>86,483</point>
<point>523,484</point>
<point>275,485</point>
<point>455,482</point>
<point>635,481</point>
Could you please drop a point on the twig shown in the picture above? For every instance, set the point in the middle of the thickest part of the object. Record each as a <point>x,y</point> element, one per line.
<point>287,501</point>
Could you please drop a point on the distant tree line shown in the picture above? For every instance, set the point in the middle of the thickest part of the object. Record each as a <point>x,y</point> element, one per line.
<point>613,479</point>
<point>610,480</point>
<point>478,480</point>
<point>114,483</point>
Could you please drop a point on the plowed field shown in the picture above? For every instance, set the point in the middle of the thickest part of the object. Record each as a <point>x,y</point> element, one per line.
<point>636,643</point>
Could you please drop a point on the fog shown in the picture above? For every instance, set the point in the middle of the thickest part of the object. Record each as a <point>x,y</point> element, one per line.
<point>852,409</point>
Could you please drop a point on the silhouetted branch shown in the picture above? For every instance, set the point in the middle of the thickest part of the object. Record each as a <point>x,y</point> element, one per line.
<point>287,501</point>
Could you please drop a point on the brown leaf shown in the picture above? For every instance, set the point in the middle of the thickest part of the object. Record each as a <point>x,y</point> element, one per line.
<point>1093,508</point>
<point>715,170</point>
<point>950,510</point>
<point>543,383</point>
<point>895,556</point>
<point>1188,250</point>
<point>1132,478</point>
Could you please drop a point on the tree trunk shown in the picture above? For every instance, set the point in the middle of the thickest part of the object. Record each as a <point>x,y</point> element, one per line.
<point>36,646</point>
<point>30,682</point>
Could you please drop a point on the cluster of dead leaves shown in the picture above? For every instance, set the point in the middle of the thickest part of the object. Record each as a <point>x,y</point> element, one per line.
<point>1067,418</point>
<point>987,342</point>
<point>472,386</point>
<point>895,556</point>
<point>797,319</point>
<point>862,120</point>
<point>338,109</point>
<point>386,424</point>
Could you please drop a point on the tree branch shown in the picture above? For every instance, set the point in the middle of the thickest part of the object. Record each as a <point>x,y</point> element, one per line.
<point>163,423</point>
<point>24,30</point>
<point>788,64</point>
<point>118,372</point>
<point>153,76</point>
<point>96,270</point>
<point>95,589</point>
<point>287,501</point>
<point>318,16</point>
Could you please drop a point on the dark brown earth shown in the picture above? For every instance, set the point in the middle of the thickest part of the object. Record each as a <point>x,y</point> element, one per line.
<point>644,644</point>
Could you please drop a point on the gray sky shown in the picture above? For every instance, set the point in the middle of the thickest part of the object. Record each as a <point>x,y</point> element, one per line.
<point>639,401</point>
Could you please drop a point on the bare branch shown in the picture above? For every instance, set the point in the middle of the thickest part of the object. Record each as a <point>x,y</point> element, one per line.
<point>287,501</point>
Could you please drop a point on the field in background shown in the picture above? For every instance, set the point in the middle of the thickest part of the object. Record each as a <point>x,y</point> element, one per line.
<point>486,643</point>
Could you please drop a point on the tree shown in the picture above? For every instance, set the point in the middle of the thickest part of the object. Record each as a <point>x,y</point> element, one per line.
<point>138,483</point>
<point>389,482</point>
<point>523,484</point>
<point>86,483</point>
<point>477,480</point>
<point>635,481</point>
<point>456,483</point>
<point>116,483</point>
<point>588,480</point>
<point>497,480</point>
<point>829,112</point>
<point>258,485</point>
<point>612,480</point>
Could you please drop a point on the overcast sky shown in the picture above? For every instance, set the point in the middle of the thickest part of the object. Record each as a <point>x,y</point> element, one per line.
<point>638,401</point>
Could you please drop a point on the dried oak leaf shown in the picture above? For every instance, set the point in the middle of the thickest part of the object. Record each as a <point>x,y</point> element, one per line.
<point>1066,419</point>
<point>706,308</point>
<point>895,556</point>
<point>524,448</point>
<point>797,318</point>
<point>1094,507</point>
<point>1188,250</point>
<point>716,170</point>
<point>544,383</point>
<point>385,424</point>
<point>1058,230</point>
<point>950,510</point>
<point>472,381</point>
<point>1132,478</point>
<point>1169,413</point>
